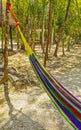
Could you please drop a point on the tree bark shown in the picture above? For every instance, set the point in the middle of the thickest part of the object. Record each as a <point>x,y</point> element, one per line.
<point>63,48</point>
<point>2,25</point>
<point>49,30</point>
<point>6,45</point>
<point>42,35</point>
<point>11,38</point>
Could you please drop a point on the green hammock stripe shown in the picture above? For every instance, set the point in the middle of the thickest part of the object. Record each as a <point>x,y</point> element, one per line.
<point>64,97</point>
<point>60,86</point>
<point>52,99</point>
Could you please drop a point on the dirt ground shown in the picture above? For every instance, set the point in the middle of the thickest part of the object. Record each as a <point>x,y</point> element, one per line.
<point>24,105</point>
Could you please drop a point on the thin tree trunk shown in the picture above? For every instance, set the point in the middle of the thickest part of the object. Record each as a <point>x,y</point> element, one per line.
<point>52,35</point>
<point>63,48</point>
<point>42,34</point>
<point>68,47</point>
<point>62,28</point>
<point>68,44</point>
<point>32,35</point>
<point>2,25</point>
<point>27,27</point>
<point>6,46</point>
<point>49,30</point>
<point>57,45</point>
<point>17,34</point>
<point>2,44</point>
<point>34,31</point>
<point>11,38</point>
<point>52,41</point>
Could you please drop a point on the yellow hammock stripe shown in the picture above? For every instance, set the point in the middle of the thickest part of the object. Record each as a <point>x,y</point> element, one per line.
<point>27,47</point>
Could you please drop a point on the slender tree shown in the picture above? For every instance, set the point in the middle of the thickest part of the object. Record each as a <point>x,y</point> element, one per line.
<point>2,24</point>
<point>10,31</point>
<point>6,44</point>
<point>42,23</point>
<point>49,30</point>
<point>62,28</point>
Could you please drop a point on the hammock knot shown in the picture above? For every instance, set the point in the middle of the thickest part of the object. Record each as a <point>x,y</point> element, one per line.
<point>9,5</point>
<point>17,24</point>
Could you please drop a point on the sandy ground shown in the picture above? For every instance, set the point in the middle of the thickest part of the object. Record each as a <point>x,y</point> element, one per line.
<point>25,106</point>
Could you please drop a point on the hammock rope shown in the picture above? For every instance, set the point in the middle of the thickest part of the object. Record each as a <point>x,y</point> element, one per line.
<point>66,103</point>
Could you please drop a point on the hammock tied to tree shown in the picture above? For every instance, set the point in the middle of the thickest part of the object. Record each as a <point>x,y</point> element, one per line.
<point>67,104</point>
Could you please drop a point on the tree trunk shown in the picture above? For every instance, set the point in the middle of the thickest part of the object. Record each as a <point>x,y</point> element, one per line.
<point>11,38</point>
<point>42,34</point>
<point>62,28</point>
<point>52,40</point>
<point>33,29</point>
<point>27,28</point>
<point>2,26</point>
<point>32,37</point>
<point>68,44</point>
<point>6,46</point>
<point>17,34</point>
<point>2,44</point>
<point>63,48</point>
<point>49,30</point>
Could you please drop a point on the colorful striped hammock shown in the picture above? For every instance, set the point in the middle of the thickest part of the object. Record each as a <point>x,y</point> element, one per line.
<point>68,105</point>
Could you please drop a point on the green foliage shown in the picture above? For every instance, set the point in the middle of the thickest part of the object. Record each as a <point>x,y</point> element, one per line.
<point>37,10</point>
<point>59,22</point>
<point>66,30</point>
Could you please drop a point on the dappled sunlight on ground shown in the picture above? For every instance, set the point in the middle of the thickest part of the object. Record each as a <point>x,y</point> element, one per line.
<point>24,105</point>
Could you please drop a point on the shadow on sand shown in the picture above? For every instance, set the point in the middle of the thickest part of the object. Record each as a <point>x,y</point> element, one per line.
<point>18,120</point>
